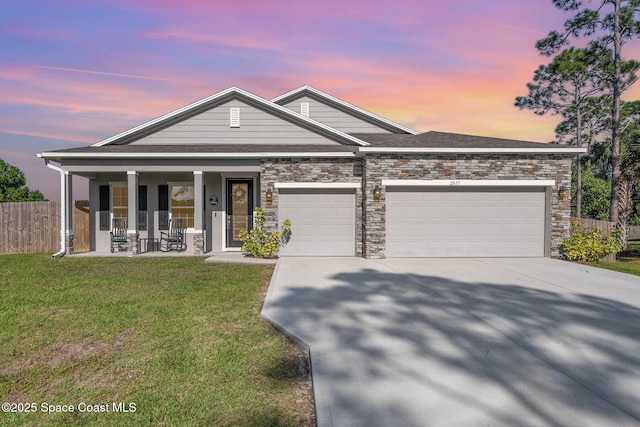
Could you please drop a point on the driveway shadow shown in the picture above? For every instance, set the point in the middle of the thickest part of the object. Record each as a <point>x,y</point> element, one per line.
<point>409,349</point>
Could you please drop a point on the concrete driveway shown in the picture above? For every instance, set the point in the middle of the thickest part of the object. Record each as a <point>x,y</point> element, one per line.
<point>464,342</point>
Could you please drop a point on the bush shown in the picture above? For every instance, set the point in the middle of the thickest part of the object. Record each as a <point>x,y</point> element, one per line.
<point>590,246</point>
<point>596,195</point>
<point>259,243</point>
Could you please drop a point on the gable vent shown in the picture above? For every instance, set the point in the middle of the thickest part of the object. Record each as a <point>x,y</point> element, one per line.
<point>234,117</point>
<point>304,109</point>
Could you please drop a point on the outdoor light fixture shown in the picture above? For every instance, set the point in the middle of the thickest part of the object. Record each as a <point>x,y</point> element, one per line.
<point>269,196</point>
<point>213,200</point>
<point>563,192</point>
<point>377,192</point>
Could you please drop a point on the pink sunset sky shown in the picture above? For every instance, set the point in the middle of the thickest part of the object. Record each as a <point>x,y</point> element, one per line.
<point>74,72</point>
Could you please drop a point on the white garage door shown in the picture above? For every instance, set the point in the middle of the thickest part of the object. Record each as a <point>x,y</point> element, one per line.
<point>324,221</point>
<point>471,222</point>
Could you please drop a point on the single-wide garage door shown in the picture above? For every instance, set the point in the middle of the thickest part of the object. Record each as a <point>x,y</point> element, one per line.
<point>465,222</point>
<point>323,221</point>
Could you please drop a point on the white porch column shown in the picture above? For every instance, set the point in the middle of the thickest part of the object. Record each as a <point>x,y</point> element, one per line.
<point>68,211</point>
<point>198,214</point>
<point>132,221</point>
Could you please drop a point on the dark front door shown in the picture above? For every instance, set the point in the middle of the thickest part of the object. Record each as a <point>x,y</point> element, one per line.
<point>239,209</point>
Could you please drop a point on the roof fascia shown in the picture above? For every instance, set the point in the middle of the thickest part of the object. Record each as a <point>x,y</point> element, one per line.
<point>268,105</point>
<point>345,104</point>
<point>257,155</point>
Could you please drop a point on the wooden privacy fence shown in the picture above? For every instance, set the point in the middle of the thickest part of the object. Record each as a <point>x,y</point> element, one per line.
<point>606,227</point>
<point>32,227</point>
<point>81,236</point>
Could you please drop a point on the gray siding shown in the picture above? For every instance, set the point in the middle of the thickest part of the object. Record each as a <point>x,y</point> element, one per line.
<point>333,117</point>
<point>212,127</point>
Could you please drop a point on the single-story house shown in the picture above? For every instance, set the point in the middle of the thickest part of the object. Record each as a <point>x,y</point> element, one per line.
<point>352,182</point>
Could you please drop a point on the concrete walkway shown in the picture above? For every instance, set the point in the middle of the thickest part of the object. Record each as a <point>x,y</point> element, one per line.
<point>464,342</point>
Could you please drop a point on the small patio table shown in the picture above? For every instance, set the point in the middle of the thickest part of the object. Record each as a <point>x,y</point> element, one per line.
<point>149,244</point>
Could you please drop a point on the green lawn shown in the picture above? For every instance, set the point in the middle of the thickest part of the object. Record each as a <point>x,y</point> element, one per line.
<point>631,266</point>
<point>178,340</point>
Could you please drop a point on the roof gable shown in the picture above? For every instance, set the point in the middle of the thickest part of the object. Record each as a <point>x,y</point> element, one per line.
<point>144,133</point>
<point>374,123</point>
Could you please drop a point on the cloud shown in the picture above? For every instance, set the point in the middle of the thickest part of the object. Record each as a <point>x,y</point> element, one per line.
<point>103,73</point>
<point>48,134</point>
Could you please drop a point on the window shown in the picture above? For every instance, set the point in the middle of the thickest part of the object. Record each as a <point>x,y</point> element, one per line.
<point>120,203</point>
<point>182,203</point>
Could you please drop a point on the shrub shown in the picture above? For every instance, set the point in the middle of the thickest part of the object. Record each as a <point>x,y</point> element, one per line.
<point>596,193</point>
<point>590,246</point>
<point>259,243</point>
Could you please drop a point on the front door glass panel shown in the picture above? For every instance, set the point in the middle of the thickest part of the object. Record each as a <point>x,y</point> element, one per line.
<point>239,209</point>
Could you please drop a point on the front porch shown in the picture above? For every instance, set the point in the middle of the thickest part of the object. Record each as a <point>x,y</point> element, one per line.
<point>145,207</point>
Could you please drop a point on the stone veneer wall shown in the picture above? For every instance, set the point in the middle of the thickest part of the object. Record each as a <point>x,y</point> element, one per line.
<point>450,166</point>
<point>133,244</point>
<point>70,243</point>
<point>198,244</point>
<point>307,170</point>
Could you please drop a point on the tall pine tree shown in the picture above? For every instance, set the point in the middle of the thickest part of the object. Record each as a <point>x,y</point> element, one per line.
<point>567,87</point>
<point>610,25</point>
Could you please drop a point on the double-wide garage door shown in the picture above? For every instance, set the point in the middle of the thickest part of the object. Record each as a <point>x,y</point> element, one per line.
<point>324,221</point>
<point>465,222</point>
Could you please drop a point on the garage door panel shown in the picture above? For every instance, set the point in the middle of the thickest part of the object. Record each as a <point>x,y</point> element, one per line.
<point>481,222</point>
<point>323,221</point>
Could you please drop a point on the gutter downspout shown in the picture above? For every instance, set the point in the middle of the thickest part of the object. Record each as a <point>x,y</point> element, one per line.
<point>63,211</point>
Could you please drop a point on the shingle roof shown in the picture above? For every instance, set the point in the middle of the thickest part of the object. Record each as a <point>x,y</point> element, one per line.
<point>435,139</point>
<point>389,143</point>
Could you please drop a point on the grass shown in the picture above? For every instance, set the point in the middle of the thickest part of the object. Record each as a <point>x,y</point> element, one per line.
<point>631,266</point>
<point>180,339</point>
<point>628,261</point>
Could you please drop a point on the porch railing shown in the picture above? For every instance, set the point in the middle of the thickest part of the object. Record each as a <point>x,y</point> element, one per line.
<point>142,220</point>
<point>163,220</point>
<point>106,223</point>
<point>105,220</point>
